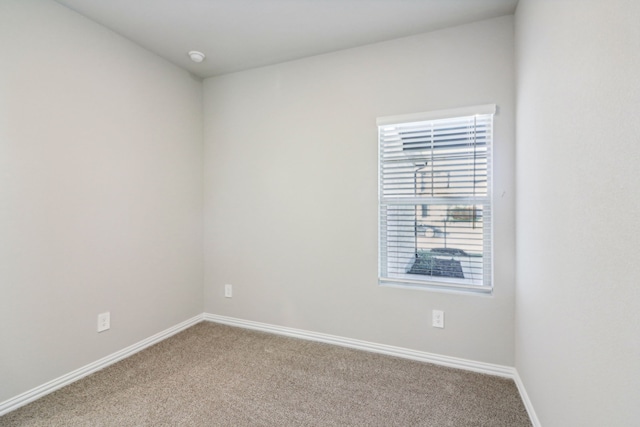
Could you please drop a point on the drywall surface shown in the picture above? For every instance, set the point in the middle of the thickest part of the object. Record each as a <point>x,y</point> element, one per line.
<point>578,151</point>
<point>291,190</point>
<point>100,193</point>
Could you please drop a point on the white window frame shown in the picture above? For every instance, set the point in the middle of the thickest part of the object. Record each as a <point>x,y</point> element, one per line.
<point>386,278</point>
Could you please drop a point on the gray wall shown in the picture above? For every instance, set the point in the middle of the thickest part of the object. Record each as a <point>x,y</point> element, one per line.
<point>578,151</point>
<point>100,193</point>
<point>291,197</point>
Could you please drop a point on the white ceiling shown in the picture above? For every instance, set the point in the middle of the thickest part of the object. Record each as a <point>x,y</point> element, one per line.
<point>241,34</point>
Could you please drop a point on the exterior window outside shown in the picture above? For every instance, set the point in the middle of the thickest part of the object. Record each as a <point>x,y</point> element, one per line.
<point>435,200</point>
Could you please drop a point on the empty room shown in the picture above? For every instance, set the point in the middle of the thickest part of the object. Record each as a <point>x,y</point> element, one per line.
<point>319,213</point>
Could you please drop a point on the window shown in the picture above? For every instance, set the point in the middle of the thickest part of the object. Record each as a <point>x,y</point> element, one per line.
<point>435,199</point>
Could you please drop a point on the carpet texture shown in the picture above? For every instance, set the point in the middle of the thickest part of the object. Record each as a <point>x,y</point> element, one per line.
<point>216,375</point>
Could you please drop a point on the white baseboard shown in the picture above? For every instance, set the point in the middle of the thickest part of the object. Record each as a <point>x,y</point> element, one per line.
<point>452,362</point>
<point>525,399</point>
<point>53,385</point>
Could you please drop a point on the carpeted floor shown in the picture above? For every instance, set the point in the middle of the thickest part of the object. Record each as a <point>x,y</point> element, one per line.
<point>215,375</point>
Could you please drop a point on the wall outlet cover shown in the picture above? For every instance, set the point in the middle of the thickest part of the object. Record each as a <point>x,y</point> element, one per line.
<point>104,321</point>
<point>438,319</point>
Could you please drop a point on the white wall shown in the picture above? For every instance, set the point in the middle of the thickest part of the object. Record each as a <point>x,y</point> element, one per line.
<point>100,193</point>
<point>291,196</point>
<point>578,151</point>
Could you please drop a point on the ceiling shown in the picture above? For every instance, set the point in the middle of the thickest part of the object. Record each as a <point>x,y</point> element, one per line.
<point>241,34</point>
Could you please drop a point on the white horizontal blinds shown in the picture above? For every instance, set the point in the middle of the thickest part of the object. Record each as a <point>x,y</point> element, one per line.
<point>440,158</point>
<point>435,210</point>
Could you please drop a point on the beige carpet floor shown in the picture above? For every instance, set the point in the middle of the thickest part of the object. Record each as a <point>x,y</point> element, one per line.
<point>215,375</point>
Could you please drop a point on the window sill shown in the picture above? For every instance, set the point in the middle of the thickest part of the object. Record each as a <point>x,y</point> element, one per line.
<point>442,284</point>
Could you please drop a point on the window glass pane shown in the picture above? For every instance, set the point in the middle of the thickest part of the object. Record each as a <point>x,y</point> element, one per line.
<point>447,242</point>
<point>436,159</point>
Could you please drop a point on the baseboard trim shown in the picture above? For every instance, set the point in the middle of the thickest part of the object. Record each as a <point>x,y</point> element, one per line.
<point>535,422</point>
<point>53,385</point>
<point>451,362</point>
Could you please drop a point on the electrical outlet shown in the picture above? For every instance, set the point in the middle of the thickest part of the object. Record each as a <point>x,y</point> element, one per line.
<point>228,291</point>
<point>104,321</point>
<point>437,318</point>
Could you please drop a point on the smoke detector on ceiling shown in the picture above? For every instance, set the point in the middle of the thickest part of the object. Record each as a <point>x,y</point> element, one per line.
<point>196,56</point>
